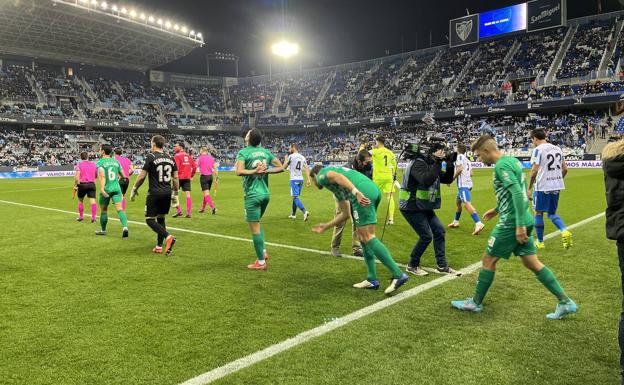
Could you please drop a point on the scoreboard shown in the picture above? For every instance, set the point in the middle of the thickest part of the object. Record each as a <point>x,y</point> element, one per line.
<point>531,16</point>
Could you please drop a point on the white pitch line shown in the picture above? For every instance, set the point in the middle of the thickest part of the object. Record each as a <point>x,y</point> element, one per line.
<point>308,335</point>
<point>215,235</point>
<point>35,189</point>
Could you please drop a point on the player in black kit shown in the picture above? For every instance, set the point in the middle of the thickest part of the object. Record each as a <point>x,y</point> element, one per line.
<point>162,172</point>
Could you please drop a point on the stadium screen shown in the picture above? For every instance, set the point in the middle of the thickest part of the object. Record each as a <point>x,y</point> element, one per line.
<point>502,21</point>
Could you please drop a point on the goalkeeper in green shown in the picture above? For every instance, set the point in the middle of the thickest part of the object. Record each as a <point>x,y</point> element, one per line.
<point>512,233</point>
<point>348,185</point>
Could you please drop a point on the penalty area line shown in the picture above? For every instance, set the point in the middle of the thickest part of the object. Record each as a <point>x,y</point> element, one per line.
<point>308,335</point>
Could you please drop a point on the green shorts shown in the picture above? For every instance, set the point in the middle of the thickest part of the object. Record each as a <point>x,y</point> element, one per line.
<point>115,196</point>
<point>364,216</point>
<point>255,207</point>
<point>502,243</point>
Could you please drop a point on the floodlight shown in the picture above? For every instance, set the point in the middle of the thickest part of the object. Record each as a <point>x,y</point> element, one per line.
<point>124,10</point>
<point>184,30</point>
<point>176,27</point>
<point>115,8</point>
<point>142,16</point>
<point>159,22</point>
<point>285,49</point>
<point>168,24</point>
<point>104,5</point>
<point>133,13</point>
<point>151,19</point>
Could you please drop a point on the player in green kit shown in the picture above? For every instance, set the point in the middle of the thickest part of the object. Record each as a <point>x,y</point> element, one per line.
<point>348,185</point>
<point>109,172</point>
<point>252,163</point>
<point>512,233</point>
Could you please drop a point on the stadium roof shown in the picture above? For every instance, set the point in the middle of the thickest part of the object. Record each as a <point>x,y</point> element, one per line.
<point>92,32</point>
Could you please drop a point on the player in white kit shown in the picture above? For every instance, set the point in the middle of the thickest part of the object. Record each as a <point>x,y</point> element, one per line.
<point>547,173</point>
<point>298,166</point>
<point>463,174</point>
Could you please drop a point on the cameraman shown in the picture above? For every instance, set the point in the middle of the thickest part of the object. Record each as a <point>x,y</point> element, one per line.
<point>420,196</point>
<point>361,163</point>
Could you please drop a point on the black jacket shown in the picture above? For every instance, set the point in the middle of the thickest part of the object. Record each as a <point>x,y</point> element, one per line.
<point>420,190</point>
<point>613,167</point>
<point>366,170</point>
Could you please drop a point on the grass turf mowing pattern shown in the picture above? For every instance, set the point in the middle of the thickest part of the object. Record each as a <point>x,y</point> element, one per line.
<point>81,309</point>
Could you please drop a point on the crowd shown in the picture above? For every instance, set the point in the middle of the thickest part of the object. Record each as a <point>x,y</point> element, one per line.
<point>572,131</point>
<point>468,76</point>
<point>586,49</point>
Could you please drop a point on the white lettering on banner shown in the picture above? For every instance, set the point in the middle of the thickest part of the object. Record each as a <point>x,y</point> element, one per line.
<point>377,120</point>
<point>546,13</point>
<point>42,174</point>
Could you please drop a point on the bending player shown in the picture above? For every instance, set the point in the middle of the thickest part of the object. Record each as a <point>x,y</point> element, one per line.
<point>84,184</point>
<point>463,174</point>
<point>128,170</point>
<point>252,163</point>
<point>384,167</point>
<point>297,165</point>
<point>162,172</point>
<point>512,233</point>
<point>109,173</point>
<point>186,170</point>
<point>547,173</point>
<point>208,170</point>
<point>351,186</point>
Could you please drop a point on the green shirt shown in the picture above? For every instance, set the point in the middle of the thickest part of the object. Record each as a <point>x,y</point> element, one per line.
<point>359,180</point>
<point>111,168</point>
<point>256,184</point>
<point>509,180</point>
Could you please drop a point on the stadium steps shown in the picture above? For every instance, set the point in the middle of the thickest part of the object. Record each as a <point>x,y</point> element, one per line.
<point>563,49</point>
<point>326,86</point>
<point>89,91</point>
<point>185,104</point>
<point>226,100</point>
<point>473,58</point>
<point>610,49</point>
<point>383,96</point>
<point>41,99</point>
<point>416,88</point>
<point>508,58</point>
<point>278,98</point>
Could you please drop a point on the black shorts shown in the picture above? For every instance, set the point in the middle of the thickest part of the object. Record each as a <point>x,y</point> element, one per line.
<point>123,183</point>
<point>185,184</point>
<point>156,205</point>
<point>206,182</point>
<point>87,189</point>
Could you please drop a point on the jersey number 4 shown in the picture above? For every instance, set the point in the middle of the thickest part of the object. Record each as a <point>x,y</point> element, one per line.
<point>164,172</point>
<point>298,166</point>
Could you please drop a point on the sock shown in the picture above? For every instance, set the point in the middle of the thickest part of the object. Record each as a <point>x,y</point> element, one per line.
<point>210,202</point>
<point>81,210</point>
<point>369,259</point>
<point>548,279</point>
<point>475,217</point>
<point>123,204</point>
<point>294,207</point>
<point>93,211</point>
<point>103,220</point>
<point>161,237</point>
<point>300,205</point>
<point>178,209</point>
<point>189,205</point>
<point>457,216</point>
<point>391,210</point>
<point>258,241</point>
<point>123,218</point>
<point>557,221</point>
<point>158,229</point>
<point>486,277</point>
<point>382,252</point>
<point>539,227</point>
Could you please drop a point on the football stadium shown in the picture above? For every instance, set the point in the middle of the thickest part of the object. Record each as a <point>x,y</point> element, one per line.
<point>291,192</point>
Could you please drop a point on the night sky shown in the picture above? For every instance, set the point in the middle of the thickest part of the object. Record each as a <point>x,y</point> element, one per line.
<point>329,31</point>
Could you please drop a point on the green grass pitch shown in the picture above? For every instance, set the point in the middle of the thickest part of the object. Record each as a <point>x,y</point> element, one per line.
<point>81,309</point>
